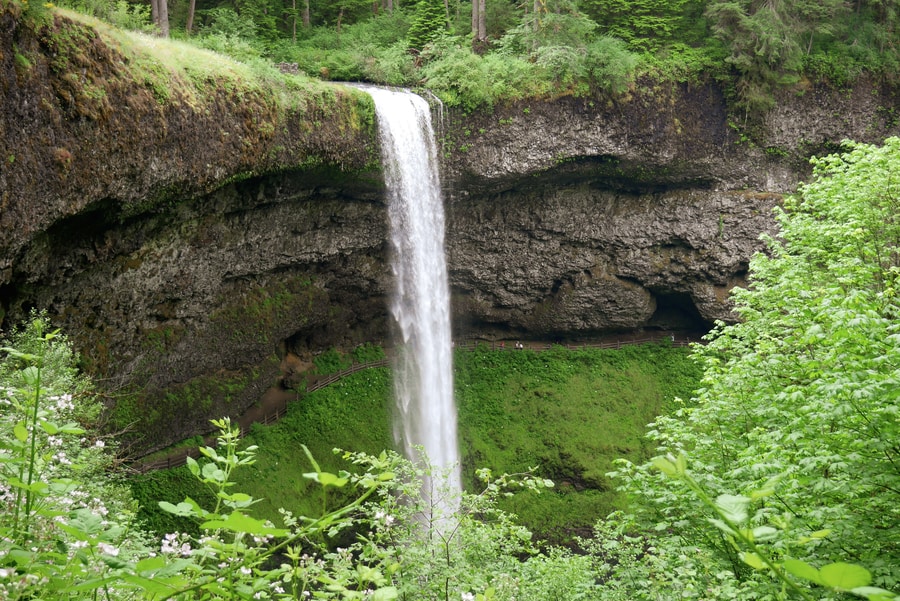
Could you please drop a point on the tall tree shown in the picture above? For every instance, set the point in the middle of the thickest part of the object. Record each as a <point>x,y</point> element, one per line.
<point>479,26</point>
<point>768,39</point>
<point>428,22</point>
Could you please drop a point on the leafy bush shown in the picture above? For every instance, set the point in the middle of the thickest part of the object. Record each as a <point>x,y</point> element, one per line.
<point>609,66</point>
<point>793,436</point>
<point>330,361</point>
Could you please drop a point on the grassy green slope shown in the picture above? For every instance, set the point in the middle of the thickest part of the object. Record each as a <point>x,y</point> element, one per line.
<point>352,414</point>
<point>570,413</point>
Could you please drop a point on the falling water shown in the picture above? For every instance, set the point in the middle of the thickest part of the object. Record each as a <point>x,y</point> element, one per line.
<point>421,298</point>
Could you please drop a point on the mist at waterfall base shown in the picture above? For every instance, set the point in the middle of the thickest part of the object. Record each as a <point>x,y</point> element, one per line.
<point>420,304</point>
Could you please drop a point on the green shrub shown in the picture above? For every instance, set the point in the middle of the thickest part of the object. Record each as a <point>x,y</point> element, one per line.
<point>368,352</point>
<point>330,361</point>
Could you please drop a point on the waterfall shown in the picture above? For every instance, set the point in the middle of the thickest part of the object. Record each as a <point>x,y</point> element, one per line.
<point>420,304</point>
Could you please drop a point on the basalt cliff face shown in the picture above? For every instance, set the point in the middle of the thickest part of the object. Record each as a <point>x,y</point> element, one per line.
<point>200,246</point>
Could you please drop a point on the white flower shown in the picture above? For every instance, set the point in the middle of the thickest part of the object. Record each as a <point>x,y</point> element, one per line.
<point>468,597</point>
<point>99,444</point>
<point>107,549</point>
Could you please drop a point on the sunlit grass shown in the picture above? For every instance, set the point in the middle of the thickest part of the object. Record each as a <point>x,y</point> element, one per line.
<point>179,71</point>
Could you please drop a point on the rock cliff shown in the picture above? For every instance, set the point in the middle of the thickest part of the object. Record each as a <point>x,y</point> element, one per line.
<point>199,239</point>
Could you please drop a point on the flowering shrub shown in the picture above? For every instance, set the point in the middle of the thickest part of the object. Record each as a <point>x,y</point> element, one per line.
<point>67,529</point>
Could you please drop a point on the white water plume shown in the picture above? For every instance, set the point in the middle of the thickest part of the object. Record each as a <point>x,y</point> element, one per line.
<point>420,303</point>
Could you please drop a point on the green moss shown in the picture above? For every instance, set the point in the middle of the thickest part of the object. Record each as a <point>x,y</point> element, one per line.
<point>23,65</point>
<point>250,315</point>
<point>171,485</point>
<point>570,414</point>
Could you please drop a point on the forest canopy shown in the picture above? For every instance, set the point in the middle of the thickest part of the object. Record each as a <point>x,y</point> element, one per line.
<point>476,53</point>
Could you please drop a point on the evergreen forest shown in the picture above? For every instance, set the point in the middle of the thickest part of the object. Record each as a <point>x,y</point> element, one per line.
<point>475,54</point>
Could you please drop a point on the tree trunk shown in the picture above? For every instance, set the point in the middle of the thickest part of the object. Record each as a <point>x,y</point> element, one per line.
<point>154,12</point>
<point>482,21</point>
<point>190,17</point>
<point>164,18</point>
<point>479,27</point>
<point>305,14</point>
<point>293,21</point>
<point>340,18</point>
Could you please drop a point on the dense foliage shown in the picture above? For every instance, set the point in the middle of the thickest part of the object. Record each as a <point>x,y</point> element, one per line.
<point>475,56</point>
<point>793,442</point>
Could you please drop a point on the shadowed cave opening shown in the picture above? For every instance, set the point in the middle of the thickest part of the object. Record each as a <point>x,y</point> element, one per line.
<point>677,311</point>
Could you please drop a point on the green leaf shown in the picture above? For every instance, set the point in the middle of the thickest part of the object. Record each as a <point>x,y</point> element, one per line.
<point>71,428</point>
<point>326,479</point>
<point>21,432</point>
<point>193,466</point>
<point>733,507</point>
<point>31,375</point>
<point>212,472</point>
<point>88,585</point>
<point>801,569</point>
<point>763,533</point>
<point>385,594</point>
<point>844,576</point>
<point>311,458</point>
<point>49,427</point>
<point>665,466</point>
<point>238,522</point>
<point>182,509</point>
<point>150,564</point>
<point>753,560</point>
<point>873,593</point>
<point>154,586</point>
<point>237,500</point>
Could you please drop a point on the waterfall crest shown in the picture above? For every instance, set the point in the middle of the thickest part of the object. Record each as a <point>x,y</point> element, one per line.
<point>420,303</point>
